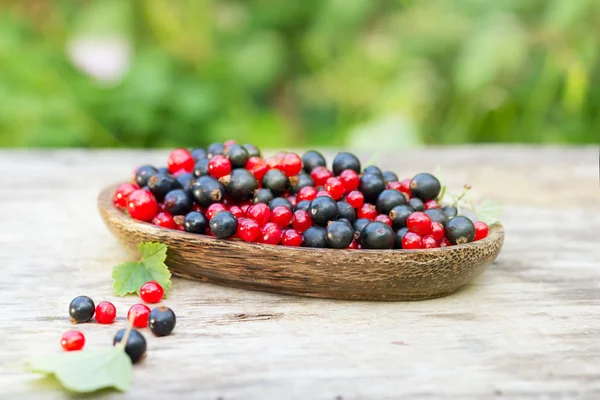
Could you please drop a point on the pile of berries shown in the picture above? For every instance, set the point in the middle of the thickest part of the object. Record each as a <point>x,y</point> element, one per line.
<point>228,191</point>
<point>161,320</point>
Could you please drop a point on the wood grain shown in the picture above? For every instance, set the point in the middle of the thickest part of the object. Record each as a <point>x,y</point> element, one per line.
<point>528,328</point>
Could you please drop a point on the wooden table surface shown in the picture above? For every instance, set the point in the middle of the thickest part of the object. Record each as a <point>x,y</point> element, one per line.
<point>528,328</point>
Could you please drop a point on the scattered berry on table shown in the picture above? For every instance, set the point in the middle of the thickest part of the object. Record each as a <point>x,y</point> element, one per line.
<point>72,341</point>
<point>106,312</point>
<point>481,230</point>
<point>138,314</point>
<point>135,347</point>
<point>162,321</point>
<point>151,292</point>
<point>81,309</point>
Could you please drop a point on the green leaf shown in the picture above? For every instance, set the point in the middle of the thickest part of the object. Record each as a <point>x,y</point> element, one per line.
<point>488,211</point>
<point>86,371</point>
<point>130,276</point>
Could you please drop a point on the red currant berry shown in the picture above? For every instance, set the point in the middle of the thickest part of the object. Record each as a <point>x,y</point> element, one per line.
<point>430,204</point>
<point>236,211</point>
<point>437,231</point>
<point>302,220</point>
<point>142,205</point>
<point>367,211</point>
<point>273,162</point>
<point>429,242</point>
<point>292,199</point>
<point>122,194</point>
<point>151,292</point>
<point>248,230</point>
<point>349,179</point>
<point>291,164</point>
<point>394,185</point>
<point>260,213</point>
<point>353,245</point>
<point>214,209</point>
<point>181,159</point>
<point>291,238</point>
<point>335,188</point>
<point>405,186</point>
<point>445,242</point>
<point>258,167</point>
<point>282,216</point>
<point>412,241</point>
<point>165,220</point>
<point>481,230</point>
<point>244,206</point>
<point>355,198</point>
<point>219,166</point>
<point>419,223</point>
<point>106,312</point>
<point>138,313</point>
<point>323,193</point>
<point>383,218</point>
<point>72,341</point>
<point>320,175</point>
<point>307,193</point>
<point>271,233</point>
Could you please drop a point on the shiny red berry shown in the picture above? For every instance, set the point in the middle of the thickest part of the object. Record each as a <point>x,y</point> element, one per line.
<point>139,313</point>
<point>106,312</point>
<point>151,292</point>
<point>383,218</point>
<point>165,220</point>
<point>367,211</point>
<point>270,233</point>
<point>181,159</point>
<point>412,241</point>
<point>293,199</point>
<point>248,230</point>
<point>259,212</point>
<point>323,193</point>
<point>394,185</point>
<point>353,245</point>
<point>349,179</point>
<point>122,194</point>
<point>273,162</point>
<point>320,175</point>
<point>430,204</point>
<point>355,198</point>
<point>429,242</point>
<point>405,186</point>
<point>437,231</point>
<point>142,205</point>
<point>219,166</point>
<point>445,242</point>
<point>258,167</point>
<point>335,188</point>
<point>307,193</point>
<point>282,216</point>
<point>214,209</point>
<point>419,223</point>
<point>291,238</point>
<point>72,341</point>
<point>291,164</point>
<point>236,211</point>
<point>302,220</point>
<point>481,230</point>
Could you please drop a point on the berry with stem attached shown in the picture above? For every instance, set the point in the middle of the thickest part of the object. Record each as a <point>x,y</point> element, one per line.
<point>138,315</point>
<point>81,309</point>
<point>135,345</point>
<point>72,341</point>
<point>106,312</point>
<point>162,321</point>
<point>151,292</point>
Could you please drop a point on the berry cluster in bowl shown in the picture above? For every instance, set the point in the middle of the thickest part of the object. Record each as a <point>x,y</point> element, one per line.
<point>230,192</point>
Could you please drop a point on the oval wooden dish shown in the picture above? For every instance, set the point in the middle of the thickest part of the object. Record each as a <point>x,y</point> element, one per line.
<point>328,273</point>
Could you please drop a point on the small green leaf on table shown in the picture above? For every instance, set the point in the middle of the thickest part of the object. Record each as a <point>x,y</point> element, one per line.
<point>130,276</point>
<point>488,211</point>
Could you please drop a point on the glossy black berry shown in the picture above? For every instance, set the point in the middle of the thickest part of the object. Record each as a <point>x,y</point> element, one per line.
<point>312,159</point>
<point>399,236</point>
<point>389,176</point>
<point>377,235</point>
<point>300,181</point>
<point>322,210</point>
<point>214,149</point>
<point>315,236</point>
<point>276,181</point>
<point>135,346</point>
<point>162,183</point>
<point>195,222</point>
<point>302,205</point>
<point>144,173</point>
<point>252,150</point>
<point>199,154</point>
<point>450,212</point>
<point>345,161</point>
<point>399,214</point>
<point>339,235</point>
<point>262,196</point>
<point>416,204</point>
<point>201,168</point>
<point>161,321</point>
<point>280,201</point>
<point>240,183</point>
<point>371,169</point>
<point>178,202</point>
<point>186,180</point>
<point>425,186</point>
<point>223,225</point>
<point>208,190</point>
<point>359,224</point>
<point>164,170</point>
<point>346,211</point>
<point>388,199</point>
<point>81,309</point>
<point>437,215</point>
<point>460,230</point>
<point>238,155</point>
<point>371,186</point>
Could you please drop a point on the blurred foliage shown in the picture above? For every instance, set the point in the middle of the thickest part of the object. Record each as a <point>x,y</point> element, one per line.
<point>292,73</point>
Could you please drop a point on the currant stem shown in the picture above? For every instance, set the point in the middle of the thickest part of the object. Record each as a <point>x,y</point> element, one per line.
<point>123,341</point>
<point>464,193</point>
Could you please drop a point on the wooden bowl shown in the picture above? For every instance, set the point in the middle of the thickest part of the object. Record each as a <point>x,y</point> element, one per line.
<point>327,273</point>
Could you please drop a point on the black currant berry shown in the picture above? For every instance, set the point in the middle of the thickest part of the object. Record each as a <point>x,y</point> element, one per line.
<point>359,224</point>
<point>322,210</point>
<point>276,181</point>
<point>280,201</point>
<point>161,321</point>
<point>302,205</point>
<point>346,211</point>
<point>201,168</point>
<point>371,169</point>
<point>399,214</point>
<point>339,235</point>
<point>345,161</point>
<point>252,150</point>
<point>416,204</point>
<point>195,222</point>
<point>208,190</point>
<point>312,159</point>
<point>135,346</point>
<point>460,230</point>
<point>164,170</point>
<point>238,155</point>
<point>377,235</point>
<point>223,225</point>
<point>399,236</point>
<point>389,176</point>
<point>215,149</point>
<point>162,183</point>
<point>450,212</point>
<point>437,215</point>
<point>199,154</point>
<point>240,183</point>
<point>315,236</point>
<point>81,309</point>
<point>262,196</point>
<point>300,181</point>
<point>425,186</point>
<point>388,199</point>
<point>178,202</point>
<point>144,173</point>
<point>371,186</point>
<point>186,180</point>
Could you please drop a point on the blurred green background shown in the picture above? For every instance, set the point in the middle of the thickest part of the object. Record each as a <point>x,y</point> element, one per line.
<point>363,73</point>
